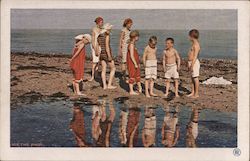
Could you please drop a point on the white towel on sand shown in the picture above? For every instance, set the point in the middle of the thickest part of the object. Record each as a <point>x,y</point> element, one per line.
<point>215,80</point>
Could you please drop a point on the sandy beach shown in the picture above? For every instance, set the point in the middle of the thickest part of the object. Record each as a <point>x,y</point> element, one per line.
<point>37,77</point>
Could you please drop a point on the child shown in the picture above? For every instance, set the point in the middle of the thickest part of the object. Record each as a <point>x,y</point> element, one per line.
<point>150,64</point>
<point>133,63</point>
<point>123,45</point>
<point>78,60</point>
<point>194,63</point>
<point>94,47</point>
<point>170,58</point>
<point>106,57</point>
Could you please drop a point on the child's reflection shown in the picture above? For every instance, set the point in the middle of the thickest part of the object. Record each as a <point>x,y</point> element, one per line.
<point>101,124</point>
<point>123,121</point>
<point>149,129</point>
<point>77,125</point>
<point>192,128</point>
<point>132,126</point>
<point>170,128</point>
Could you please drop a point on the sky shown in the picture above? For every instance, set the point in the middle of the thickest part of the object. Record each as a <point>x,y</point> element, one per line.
<point>143,19</point>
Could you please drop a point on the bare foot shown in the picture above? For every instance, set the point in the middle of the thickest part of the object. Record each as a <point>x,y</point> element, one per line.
<point>147,95</point>
<point>195,96</point>
<point>190,95</point>
<point>140,90</point>
<point>112,87</point>
<point>166,95</point>
<point>91,79</point>
<point>81,94</point>
<point>133,93</point>
<point>153,94</point>
<point>104,88</point>
<point>177,96</point>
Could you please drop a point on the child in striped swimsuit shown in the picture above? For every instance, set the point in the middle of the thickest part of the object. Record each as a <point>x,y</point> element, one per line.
<point>123,45</point>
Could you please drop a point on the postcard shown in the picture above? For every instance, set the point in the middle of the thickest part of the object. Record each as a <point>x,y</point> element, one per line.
<point>123,80</point>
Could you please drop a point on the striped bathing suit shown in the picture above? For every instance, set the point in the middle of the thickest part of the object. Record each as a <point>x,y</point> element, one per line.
<point>125,44</point>
<point>102,42</point>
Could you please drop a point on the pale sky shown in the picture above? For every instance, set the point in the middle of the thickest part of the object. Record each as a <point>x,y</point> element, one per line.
<point>143,19</point>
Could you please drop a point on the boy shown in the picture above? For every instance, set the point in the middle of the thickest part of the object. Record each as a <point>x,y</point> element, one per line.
<point>193,62</point>
<point>150,64</point>
<point>170,58</point>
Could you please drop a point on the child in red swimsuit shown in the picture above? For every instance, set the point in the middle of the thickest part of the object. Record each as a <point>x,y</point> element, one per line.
<point>133,64</point>
<point>78,59</point>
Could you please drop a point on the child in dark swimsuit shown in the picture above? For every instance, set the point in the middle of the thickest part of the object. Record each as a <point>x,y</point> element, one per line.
<point>106,56</point>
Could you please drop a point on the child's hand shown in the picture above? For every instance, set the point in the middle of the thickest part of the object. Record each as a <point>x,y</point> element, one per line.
<point>109,58</point>
<point>164,70</point>
<point>178,68</point>
<point>136,66</point>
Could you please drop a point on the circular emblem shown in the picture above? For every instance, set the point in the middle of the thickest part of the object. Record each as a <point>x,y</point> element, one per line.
<point>236,152</point>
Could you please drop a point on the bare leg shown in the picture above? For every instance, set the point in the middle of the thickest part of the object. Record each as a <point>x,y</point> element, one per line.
<point>146,88</point>
<point>192,92</point>
<point>139,87</point>
<point>167,87</point>
<point>131,90</point>
<point>176,87</point>
<point>124,70</point>
<point>74,86</point>
<point>196,88</point>
<point>152,87</point>
<point>111,76</point>
<point>77,89</point>
<point>104,66</point>
<point>94,68</point>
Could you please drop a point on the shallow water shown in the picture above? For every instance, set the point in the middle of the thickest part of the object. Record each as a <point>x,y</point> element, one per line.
<point>63,123</point>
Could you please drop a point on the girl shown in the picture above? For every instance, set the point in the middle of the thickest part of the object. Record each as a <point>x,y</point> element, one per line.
<point>94,47</point>
<point>133,63</point>
<point>123,45</point>
<point>78,59</point>
<point>106,56</point>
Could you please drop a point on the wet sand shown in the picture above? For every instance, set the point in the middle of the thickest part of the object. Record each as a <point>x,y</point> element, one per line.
<point>37,76</point>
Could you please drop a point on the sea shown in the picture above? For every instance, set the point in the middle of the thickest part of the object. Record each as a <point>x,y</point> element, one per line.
<point>220,44</point>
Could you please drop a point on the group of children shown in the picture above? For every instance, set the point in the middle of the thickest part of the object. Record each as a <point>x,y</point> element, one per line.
<point>101,53</point>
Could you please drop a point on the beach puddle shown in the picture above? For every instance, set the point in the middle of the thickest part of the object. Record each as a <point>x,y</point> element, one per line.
<point>119,123</point>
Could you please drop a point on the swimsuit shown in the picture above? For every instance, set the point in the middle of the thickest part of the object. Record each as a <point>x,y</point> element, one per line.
<point>151,69</point>
<point>134,73</point>
<point>77,64</point>
<point>171,71</point>
<point>125,44</point>
<point>102,42</point>
<point>196,68</point>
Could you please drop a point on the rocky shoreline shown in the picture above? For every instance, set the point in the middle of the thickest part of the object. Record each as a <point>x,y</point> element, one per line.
<point>37,77</point>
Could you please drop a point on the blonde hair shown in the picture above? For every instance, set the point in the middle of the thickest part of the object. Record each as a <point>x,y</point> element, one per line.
<point>133,34</point>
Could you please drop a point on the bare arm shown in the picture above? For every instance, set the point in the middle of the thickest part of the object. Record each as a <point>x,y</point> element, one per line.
<point>196,49</point>
<point>108,46</point>
<point>164,61</point>
<point>131,49</point>
<point>120,43</point>
<point>178,59</point>
<point>144,57</point>
<point>78,50</point>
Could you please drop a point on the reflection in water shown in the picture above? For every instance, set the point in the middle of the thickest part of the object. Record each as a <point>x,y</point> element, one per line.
<point>192,129</point>
<point>133,126</point>
<point>77,125</point>
<point>170,129</point>
<point>102,137</point>
<point>149,129</point>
